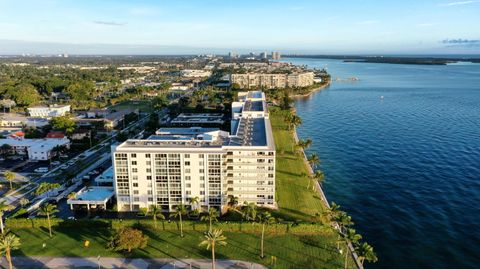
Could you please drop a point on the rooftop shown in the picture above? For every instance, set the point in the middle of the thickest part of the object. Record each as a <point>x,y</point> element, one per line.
<point>93,195</point>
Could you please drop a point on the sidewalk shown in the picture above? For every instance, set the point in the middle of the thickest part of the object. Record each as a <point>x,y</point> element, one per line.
<point>94,262</point>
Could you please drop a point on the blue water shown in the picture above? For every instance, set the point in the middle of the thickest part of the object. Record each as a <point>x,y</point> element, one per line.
<point>406,167</point>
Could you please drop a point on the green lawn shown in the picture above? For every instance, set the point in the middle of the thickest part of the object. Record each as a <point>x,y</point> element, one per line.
<point>294,198</point>
<point>291,250</point>
<point>143,105</point>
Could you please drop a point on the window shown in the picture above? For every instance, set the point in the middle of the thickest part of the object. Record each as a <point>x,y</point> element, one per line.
<point>134,170</point>
<point>188,192</point>
<point>134,155</point>
<point>149,192</point>
<point>202,192</point>
<point>149,170</point>
<point>134,162</point>
<point>149,177</point>
<point>188,185</point>
<point>187,170</point>
<point>149,163</point>
<point>187,156</point>
<point>187,163</point>
<point>202,171</point>
<point>147,155</point>
<point>187,178</point>
<point>135,192</point>
<point>150,199</point>
<point>134,177</point>
<point>135,184</point>
<point>136,199</point>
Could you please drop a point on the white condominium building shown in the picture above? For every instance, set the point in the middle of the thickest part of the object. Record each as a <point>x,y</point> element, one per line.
<point>178,164</point>
<point>270,81</point>
<point>48,111</point>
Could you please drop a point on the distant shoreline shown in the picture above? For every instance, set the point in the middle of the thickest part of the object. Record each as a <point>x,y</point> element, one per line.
<point>427,60</point>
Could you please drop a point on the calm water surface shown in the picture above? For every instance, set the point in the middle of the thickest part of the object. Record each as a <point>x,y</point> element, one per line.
<point>405,166</point>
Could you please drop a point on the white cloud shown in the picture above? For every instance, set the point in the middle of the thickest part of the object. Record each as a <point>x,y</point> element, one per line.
<point>458,3</point>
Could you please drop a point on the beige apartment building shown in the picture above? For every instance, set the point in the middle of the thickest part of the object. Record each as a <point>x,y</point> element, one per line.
<point>270,81</point>
<point>177,164</point>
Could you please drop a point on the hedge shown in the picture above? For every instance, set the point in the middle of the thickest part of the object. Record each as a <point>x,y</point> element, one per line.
<point>244,227</point>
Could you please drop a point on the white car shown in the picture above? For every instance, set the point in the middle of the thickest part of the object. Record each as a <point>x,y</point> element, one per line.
<point>41,170</point>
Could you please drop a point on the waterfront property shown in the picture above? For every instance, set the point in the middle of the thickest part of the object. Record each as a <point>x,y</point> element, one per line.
<point>273,80</point>
<point>176,165</point>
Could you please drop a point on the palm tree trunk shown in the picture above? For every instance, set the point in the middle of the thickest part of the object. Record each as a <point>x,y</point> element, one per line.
<point>11,185</point>
<point>210,229</point>
<point>181,226</point>
<point>49,225</point>
<point>213,256</point>
<point>155,221</point>
<point>1,221</point>
<point>346,256</point>
<point>9,258</point>
<point>261,243</point>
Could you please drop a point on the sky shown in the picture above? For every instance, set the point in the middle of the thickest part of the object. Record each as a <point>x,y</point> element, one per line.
<point>219,26</point>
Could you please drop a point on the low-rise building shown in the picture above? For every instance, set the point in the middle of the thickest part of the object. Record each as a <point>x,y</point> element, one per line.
<point>18,121</point>
<point>48,111</point>
<point>195,73</point>
<point>198,119</point>
<point>35,149</point>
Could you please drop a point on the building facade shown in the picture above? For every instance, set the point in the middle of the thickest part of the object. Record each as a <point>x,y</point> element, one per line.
<point>178,164</point>
<point>270,81</point>
<point>48,111</point>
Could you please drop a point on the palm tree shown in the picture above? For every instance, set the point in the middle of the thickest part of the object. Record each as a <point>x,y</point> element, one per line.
<point>304,144</point>
<point>210,217</point>
<point>365,252</point>
<point>179,212</point>
<point>194,202</point>
<point>72,195</point>
<point>3,207</point>
<point>295,121</point>
<point>156,213</point>
<point>332,212</point>
<point>24,201</point>
<point>9,176</point>
<point>8,243</point>
<point>49,211</point>
<point>211,240</point>
<point>352,236</point>
<point>344,221</point>
<point>313,160</point>
<point>232,201</point>
<point>249,211</point>
<point>265,219</point>
<point>318,176</point>
<point>343,241</point>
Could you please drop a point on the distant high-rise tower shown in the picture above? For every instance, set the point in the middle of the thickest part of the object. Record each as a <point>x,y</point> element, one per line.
<point>276,55</point>
<point>263,55</point>
<point>232,55</point>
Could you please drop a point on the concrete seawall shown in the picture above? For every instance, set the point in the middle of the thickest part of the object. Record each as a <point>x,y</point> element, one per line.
<point>325,201</point>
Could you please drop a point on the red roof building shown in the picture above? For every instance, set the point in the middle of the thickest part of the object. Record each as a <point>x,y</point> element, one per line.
<point>55,134</point>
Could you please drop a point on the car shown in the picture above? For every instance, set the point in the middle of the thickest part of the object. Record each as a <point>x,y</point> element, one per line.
<point>72,218</point>
<point>41,170</point>
<point>56,163</point>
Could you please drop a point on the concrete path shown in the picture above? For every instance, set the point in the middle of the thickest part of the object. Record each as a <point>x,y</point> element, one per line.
<point>94,262</point>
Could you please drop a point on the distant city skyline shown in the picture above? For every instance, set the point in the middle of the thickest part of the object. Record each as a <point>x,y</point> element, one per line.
<point>213,26</point>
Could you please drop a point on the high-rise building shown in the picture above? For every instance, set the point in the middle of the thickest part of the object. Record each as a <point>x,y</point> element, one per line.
<point>263,55</point>
<point>276,55</point>
<point>178,164</point>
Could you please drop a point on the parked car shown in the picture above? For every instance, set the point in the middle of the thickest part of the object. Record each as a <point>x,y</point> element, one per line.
<point>41,170</point>
<point>56,163</point>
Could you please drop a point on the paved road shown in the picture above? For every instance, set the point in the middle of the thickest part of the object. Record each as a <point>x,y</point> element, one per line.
<point>94,262</point>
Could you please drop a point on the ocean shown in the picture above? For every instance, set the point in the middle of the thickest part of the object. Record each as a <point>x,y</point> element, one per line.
<point>400,149</point>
